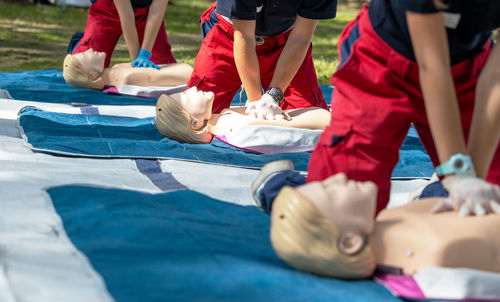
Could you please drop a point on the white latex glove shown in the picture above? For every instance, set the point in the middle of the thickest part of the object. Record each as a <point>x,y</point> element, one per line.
<point>469,195</point>
<point>266,109</point>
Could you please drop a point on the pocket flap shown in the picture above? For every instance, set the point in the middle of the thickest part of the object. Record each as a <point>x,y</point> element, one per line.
<point>334,133</point>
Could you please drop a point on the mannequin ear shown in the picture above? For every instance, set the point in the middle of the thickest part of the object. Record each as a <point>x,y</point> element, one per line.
<point>197,124</point>
<point>92,76</point>
<point>351,243</point>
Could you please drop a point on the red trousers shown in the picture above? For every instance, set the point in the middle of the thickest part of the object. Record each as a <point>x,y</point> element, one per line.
<point>104,29</point>
<point>215,69</point>
<point>376,97</point>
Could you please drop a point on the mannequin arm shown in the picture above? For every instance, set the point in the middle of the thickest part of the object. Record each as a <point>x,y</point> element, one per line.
<point>127,21</point>
<point>294,52</point>
<point>245,58</point>
<point>430,45</point>
<point>485,128</point>
<point>155,17</point>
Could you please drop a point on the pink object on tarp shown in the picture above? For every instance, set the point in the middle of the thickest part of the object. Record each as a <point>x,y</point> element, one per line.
<point>442,283</point>
<point>400,285</point>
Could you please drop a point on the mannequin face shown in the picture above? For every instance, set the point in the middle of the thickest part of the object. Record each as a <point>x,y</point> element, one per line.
<point>349,204</point>
<point>93,61</point>
<point>198,104</point>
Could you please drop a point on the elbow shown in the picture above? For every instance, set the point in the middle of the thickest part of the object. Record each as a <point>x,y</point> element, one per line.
<point>435,70</point>
<point>246,41</point>
<point>434,66</point>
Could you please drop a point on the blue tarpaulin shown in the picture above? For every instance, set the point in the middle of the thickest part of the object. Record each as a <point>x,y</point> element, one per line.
<point>185,246</point>
<point>49,86</point>
<point>127,137</point>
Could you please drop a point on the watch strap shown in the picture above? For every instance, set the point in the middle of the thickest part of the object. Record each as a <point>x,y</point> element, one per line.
<point>276,94</point>
<point>457,164</point>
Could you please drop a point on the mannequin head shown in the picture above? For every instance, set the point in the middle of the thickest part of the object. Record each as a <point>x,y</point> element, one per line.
<point>84,69</point>
<point>184,116</point>
<point>324,227</point>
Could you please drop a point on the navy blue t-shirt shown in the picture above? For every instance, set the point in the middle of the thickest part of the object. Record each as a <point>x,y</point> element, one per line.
<point>469,24</point>
<point>274,17</point>
<point>140,3</point>
<point>135,3</point>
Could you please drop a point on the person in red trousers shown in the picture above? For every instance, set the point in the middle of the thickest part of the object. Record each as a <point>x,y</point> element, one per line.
<point>428,63</point>
<point>141,23</point>
<point>264,45</point>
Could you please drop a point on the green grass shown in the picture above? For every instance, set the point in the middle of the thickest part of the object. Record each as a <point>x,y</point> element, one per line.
<point>36,37</point>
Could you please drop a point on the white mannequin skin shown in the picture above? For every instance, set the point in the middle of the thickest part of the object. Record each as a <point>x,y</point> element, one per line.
<point>122,74</point>
<point>199,105</point>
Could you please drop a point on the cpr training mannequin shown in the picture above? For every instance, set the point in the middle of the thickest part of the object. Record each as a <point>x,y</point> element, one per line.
<point>326,228</point>
<point>86,70</point>
<point>187,117</point>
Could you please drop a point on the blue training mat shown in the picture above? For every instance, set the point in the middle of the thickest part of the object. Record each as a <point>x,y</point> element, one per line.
<point>185,246</point>
<point>118,136</point>
<point>49,86</point>
<point>127,137</point>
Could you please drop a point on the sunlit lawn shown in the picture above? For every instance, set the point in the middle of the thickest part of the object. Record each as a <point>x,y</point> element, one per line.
<point>36,37</point>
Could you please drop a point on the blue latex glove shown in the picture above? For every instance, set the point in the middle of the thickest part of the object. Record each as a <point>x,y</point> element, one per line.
<point>143,60</point>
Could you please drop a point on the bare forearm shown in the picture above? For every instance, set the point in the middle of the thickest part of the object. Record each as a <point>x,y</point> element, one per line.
<point>156,15</point>
<point>485,128</point>
<point>127,21</point>
<point>428,36</point>
<point>442,112</point>
<point>290,61</point>
<point>247,64</point>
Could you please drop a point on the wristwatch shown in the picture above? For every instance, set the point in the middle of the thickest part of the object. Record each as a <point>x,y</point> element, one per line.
<point>457,164</point>
<point>276,94</point>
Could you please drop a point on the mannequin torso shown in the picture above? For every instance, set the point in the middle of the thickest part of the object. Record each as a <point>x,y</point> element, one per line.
<point>411,238</point>
<point>174,74</point>
<point>233,118</point>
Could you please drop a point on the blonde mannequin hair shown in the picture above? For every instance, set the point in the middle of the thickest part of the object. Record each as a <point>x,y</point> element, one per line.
<point>175,123</point>
<point>308,241</point>
<point>76,74</point>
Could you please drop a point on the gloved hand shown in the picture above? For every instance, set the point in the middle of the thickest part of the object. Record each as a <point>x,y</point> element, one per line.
<point>143,60</point>
<point>469,195</point>
<point>266,108</point>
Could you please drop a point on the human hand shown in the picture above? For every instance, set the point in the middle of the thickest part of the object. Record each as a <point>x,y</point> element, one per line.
<point>143,60</point>
<point>469,195</point>
<point>266,108</point>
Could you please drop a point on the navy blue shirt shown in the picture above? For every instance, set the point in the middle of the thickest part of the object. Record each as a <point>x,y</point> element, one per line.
<point>135,3</point>
<point>274,17</point>
<point>140,3</point>
<point>469,24</point>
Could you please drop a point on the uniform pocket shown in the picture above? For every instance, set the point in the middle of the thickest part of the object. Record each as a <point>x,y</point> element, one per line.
<point>196,80</point>
<point>335,134</point>
<point>319,98</point>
